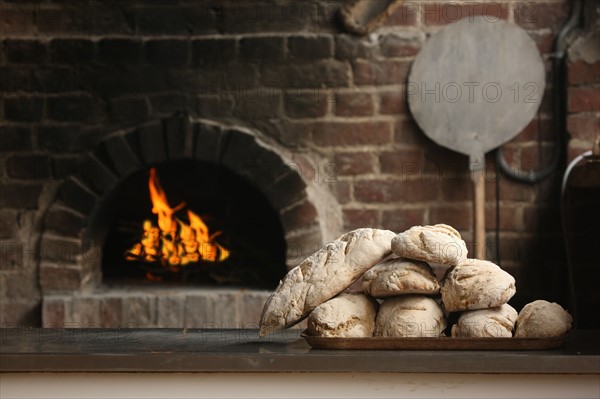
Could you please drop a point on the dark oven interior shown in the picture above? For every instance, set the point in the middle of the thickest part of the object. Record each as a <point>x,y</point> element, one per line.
<point>249,250</point>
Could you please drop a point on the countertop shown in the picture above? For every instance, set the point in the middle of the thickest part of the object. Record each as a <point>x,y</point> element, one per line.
<point>193,350</point>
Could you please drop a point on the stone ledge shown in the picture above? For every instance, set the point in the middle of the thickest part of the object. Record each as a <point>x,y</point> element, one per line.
<point>156,307</point>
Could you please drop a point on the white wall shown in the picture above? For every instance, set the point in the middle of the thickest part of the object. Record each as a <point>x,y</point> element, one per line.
<point>285,385</point>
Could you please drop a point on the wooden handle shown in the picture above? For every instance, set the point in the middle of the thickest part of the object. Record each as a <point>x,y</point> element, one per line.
<point>479,214</point>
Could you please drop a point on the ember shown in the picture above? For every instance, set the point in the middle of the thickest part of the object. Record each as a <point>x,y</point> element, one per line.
<point>172,242</point>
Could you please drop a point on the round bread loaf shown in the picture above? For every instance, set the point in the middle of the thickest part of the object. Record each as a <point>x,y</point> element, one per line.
<point>348,315</point>
<point>433,244</point>
<point>495,322</point>
<point>400,276</point>
<point>323,275</point>
<point>410,316</point>
<point>541,319</point>
<point>476,284</point>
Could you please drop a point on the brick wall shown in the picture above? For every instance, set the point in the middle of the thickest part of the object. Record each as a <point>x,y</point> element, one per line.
<point>583,97</point>
<point>73,73</point>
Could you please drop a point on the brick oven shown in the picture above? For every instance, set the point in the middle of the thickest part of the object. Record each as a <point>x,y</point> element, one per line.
<point>266,118</point>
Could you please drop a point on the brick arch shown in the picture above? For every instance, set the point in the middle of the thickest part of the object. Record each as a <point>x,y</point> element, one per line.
<point>71,256</point>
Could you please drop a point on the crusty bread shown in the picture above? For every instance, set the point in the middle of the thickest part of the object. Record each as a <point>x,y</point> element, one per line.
<point>349,315</point>
<point>495,322</point>
<point>323,275</point>
<point>540,319</point>
<point>433,244</point>
<point>410,316</point>
<point>476,284</point>
<point>400,276</point>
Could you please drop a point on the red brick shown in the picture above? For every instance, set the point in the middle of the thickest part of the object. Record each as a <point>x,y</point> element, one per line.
<point>537,15</point>
<point>544,41</point>
<point>110,312</point>
<point>457,189</point>
<point>341,191</point>
<point>393,103</point>
<point>352,133</point>
<point>52,278</point>
<point>306,47</point>
<point>408,132</point>
<point>15,19</point>
<point>581,72</point>
<point>305,105</point>
<point>441,163</point>
<point>359,218</point>
<point>510,218</point>
<point>548,190</point>
<point>380,73</point>
<point>404,15</point>
<point>385,191</point>
<point>401,161</point>
<point>584,126</point>
<point>445,13</point>
<point>53,313</point>
<point>307,74</point>
<point>509,190</point>
<point>298,216</point>
<point>402,219</point>
<point>262,48</point>
<point>354,104</point>
<point>28,167</point>
<point>305,167</point>
<point>512,155</point>
<point>397,46</point>
<point>295,134</point>
<point>458,216</point>
<point>537,129</point>
<point>576,149</point>
<point>582,99</point>
<point>354,163</point>
<point>351,47</point>
<point>534,157</point>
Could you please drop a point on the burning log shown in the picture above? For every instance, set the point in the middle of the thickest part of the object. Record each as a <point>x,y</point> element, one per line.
<point>173,242</point>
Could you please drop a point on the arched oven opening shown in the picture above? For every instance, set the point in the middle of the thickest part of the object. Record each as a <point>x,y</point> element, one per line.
<point>184,222</point>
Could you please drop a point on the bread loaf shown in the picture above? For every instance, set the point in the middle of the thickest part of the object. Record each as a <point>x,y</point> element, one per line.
<point>348,315</point>
<point>495,322</point>
<point>433,244</point>
<point>476,284</point>
<point>323,275</point>
<point>410,316</point>
<point>399,276</point>
<point>540,319</point>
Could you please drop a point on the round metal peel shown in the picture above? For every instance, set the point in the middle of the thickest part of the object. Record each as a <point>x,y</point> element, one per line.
<point>474,86</point>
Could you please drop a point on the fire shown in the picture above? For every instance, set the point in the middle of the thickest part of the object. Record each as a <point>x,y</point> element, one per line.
<point>173,242</point>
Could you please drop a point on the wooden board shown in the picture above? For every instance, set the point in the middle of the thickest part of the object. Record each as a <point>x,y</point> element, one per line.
<point>440,343</point>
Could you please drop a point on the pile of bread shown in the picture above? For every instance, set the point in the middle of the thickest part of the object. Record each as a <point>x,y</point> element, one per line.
<point>401,296</point>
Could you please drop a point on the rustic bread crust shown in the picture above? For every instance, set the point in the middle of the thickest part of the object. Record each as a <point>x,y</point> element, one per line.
<point>542,319</point>
<point>410,316</point>
<point>399,276</point>
<point>433,244</point>
<point>323,275</point>
<point>348,315</point>
<point>496,322</point>
<point>476,284</point>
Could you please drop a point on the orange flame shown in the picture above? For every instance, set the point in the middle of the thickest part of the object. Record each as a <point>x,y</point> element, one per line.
<point>174,243</point>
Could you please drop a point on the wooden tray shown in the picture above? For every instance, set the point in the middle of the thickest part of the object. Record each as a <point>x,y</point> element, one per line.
<point>441,343</point>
